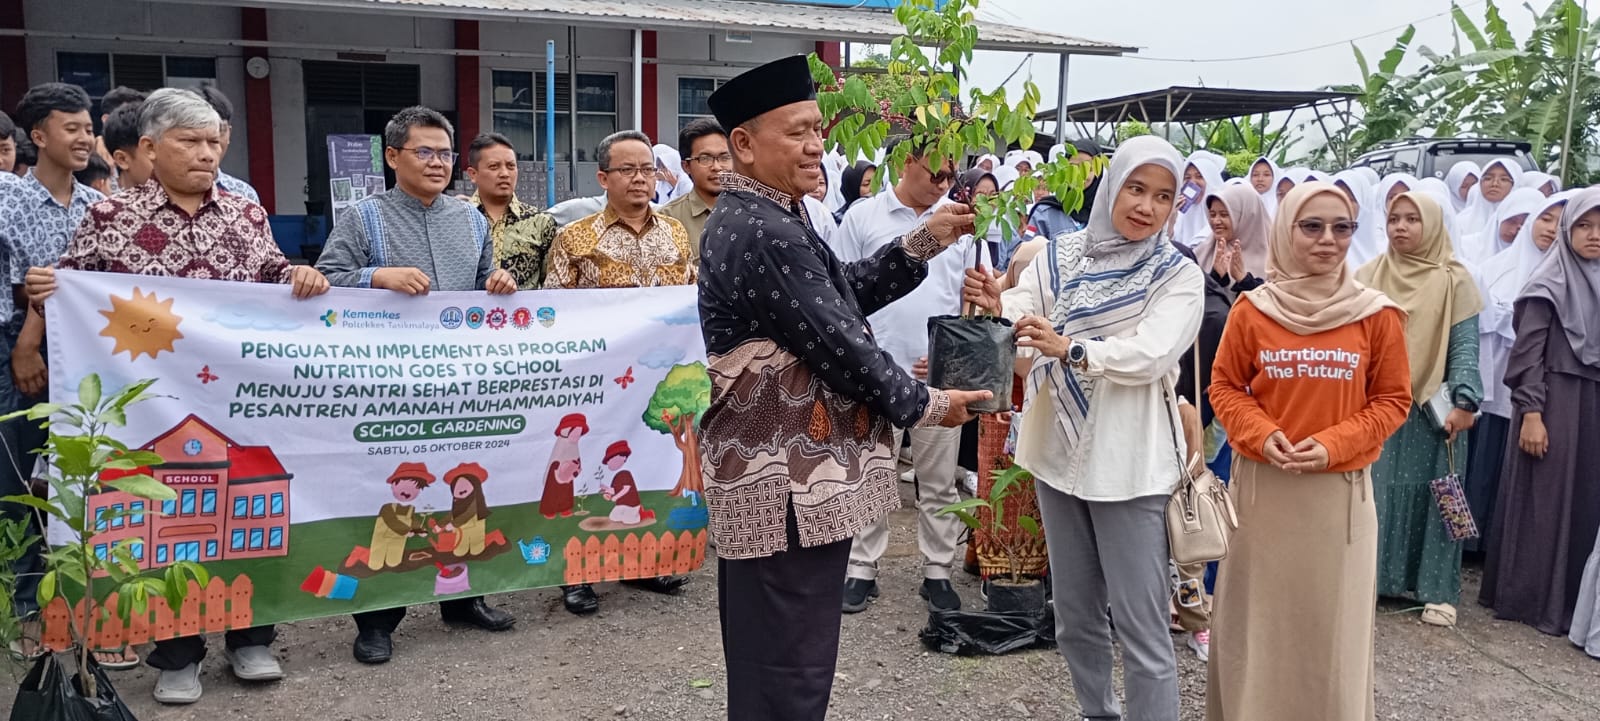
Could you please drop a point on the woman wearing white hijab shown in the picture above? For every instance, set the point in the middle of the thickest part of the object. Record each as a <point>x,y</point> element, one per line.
<point>671,179</point>
<point>987,163</point>
<point>1545,183</point>
<point>1369,241</point>
<point>1500,280</point>
<point>1006,176</point>
<point>1499,178</point>
<point>1463,176</point>
<point>833,165</point>
<point>1288,178</point>
<point>1508,220</point>
<point>1128,306</point>
<point>1368,173</point>
<point>1192,224</point>
<point>1264,179</point>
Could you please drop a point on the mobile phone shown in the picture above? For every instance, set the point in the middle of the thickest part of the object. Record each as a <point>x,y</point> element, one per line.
<point>1191,191</point>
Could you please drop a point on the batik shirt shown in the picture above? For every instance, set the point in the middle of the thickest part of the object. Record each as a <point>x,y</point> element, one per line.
<point>521,238</point>
<point>601,251</point>
<point>448,241</point>
<point>803,401</point>
<point>34,229</point>
<point>237,186</point>
<point>141,231</point>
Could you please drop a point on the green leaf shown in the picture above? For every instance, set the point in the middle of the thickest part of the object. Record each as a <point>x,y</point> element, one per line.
<point>1467,28</point>
<point>144,486</point>
<point>36,503</point>
<point>700,683</point>
<point>1026,523</point>
<point>89,391</point>
<point>130,460</point>
<point>47,587</point>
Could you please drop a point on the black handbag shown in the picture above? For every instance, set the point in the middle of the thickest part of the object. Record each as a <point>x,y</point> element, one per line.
<point>50,692</point>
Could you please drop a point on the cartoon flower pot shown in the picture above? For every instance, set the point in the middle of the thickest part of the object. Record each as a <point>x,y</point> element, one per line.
<point>452,579</point>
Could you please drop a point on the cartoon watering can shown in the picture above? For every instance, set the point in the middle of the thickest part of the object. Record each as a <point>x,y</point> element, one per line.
<point>442,541</point>
<point>535,552</point>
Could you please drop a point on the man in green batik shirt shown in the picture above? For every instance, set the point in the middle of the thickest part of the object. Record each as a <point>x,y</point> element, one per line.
<point>521,233</point>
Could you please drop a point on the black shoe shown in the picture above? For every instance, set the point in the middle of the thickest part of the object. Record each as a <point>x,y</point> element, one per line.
<point>940,595</point>
<point>857,592</point>
<point>478,614</point>
<point>580,600</point>
<point>659,584</point>
<point>373,646</point>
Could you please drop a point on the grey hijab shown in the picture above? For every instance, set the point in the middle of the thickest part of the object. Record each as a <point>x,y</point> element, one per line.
<point>1572,284</point>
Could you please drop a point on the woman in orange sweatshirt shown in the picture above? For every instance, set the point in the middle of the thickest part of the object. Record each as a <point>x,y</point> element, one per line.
<point>1310,379</point>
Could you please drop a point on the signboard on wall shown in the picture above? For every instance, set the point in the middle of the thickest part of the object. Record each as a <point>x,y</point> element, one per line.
<point>355,169</point>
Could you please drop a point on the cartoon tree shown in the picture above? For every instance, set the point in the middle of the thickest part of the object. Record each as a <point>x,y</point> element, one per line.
<point>674,410</point>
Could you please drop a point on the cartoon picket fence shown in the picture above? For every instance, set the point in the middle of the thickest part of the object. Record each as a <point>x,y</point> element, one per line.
<point>594,561</point>
<point>219,607</point>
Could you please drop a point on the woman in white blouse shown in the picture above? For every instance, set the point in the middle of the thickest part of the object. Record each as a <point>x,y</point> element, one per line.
<point>1107,314</point>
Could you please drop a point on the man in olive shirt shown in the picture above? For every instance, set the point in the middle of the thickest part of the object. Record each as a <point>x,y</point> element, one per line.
<point>704,146</point>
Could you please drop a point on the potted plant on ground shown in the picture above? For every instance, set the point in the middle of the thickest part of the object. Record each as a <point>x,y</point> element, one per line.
<point>1015,591</point>
<point>82,460</point>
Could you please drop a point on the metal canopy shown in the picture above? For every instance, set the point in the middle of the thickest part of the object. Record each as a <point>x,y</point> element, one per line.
<point>1181,104</point>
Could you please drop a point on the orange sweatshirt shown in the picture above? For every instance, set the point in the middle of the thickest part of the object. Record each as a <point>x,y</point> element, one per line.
<point>1350,387</point>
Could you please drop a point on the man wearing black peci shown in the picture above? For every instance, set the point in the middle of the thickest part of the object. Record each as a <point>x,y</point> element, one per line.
<point>797,451</point>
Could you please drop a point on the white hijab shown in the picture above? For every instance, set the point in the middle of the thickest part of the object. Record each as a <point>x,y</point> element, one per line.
<point>1486,243</point>
<point>1535,180</point>
<point>668,157</point>
<point>1005,176</point>
<point>994,163</point>
<point>1452,181</point>
<point>1502,277</point>
<point>1480,210</point>
<point>1368,173</point>
<point>1371,240</point>
<point>1194,223</point>
<point>1269,199</point>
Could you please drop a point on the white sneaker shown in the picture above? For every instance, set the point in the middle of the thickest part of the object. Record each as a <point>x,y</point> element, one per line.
<point>254,663</point>
<point>1200,643</point>
<point>909,476</point>
<point>179,687</point>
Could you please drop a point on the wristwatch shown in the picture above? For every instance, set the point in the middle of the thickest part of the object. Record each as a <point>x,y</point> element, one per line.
<point>1078,354</point>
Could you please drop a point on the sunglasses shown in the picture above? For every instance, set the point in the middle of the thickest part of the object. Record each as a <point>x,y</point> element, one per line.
<point>1315,228</point>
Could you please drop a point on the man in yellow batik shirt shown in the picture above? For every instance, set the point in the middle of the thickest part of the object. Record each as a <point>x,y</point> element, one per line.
<point>522,234</point>
<point>626,245</point>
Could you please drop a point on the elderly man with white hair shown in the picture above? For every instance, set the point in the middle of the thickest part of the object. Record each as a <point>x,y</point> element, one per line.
<point>179,224</point>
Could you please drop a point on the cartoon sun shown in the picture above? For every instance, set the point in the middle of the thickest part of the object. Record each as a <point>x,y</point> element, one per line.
<point>141,324</point>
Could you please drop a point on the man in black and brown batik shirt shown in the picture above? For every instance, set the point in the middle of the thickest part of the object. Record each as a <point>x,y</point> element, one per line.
<point>796,444</point>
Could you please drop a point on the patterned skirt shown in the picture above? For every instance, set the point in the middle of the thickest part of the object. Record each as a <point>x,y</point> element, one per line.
<point>994,454</point>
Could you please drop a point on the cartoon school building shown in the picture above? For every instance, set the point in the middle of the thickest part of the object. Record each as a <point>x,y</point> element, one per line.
<point>233,501</point>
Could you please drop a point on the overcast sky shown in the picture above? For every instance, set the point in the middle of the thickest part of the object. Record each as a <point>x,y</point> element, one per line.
<point>1187,29</point>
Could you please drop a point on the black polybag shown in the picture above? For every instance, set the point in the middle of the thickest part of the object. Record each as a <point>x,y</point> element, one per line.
<point>973,354</point>
<point>52,693</point>
<point>985,633</point>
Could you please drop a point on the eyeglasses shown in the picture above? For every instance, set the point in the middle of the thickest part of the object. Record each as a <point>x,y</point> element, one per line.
<point>707,160</point>
<point>1315,228</point>
<point>428,155</point>
<point>633,171</point>
<point>941,177</point>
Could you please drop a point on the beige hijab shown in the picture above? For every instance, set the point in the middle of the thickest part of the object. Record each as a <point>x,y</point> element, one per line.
<point>1435,290</point>
<point>1304,303</point>
<point>1250,227</point>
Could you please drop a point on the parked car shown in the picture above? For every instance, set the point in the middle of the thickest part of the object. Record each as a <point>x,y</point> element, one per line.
<point>1425,157</point>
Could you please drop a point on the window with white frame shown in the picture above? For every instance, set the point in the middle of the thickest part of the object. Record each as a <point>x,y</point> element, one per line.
<point>519,112</point>
<point>98,73</point>
<point>694,96</point>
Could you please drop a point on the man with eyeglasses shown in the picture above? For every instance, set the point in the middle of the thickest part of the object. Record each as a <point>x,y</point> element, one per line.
<point>626,245</point>
<point>704,146</point>
<point>412,240</point>
<point>902,331</point>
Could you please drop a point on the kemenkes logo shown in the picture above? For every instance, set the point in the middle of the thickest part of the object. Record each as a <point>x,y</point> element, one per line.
<point>330,318</point>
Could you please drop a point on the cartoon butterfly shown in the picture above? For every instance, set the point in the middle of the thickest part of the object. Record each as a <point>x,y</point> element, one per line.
<point>625,379</point>
<point>205,375</point>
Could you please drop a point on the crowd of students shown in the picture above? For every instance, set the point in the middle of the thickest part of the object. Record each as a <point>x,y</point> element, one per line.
<point>1354,338</point>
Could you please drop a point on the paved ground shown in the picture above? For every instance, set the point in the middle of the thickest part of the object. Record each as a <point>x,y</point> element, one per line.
<point>650,657</point>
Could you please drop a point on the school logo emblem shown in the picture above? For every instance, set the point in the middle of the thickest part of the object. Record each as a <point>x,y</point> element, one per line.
<point>521,318</point>
<point>497,319</point>
<point>547,316</point>
<point>451,318</point>
<point>475,317</point>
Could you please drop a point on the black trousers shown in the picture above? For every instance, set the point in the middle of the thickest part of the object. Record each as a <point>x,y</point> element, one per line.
<point>780,630</point>
<point>176,653</point>
<point>388,619</point>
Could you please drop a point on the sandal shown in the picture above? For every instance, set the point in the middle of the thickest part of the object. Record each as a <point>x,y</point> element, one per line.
<point>1439,614</point>
<point>123,662</point>
<point>18,652</point>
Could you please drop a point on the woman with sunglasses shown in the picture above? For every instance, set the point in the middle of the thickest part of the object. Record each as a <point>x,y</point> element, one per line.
<point>1310,379</point>
<point>1416,556</point>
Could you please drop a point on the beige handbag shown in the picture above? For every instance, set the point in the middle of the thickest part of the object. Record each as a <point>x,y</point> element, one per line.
<point>1200,515</point>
